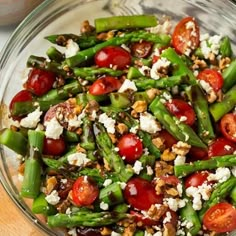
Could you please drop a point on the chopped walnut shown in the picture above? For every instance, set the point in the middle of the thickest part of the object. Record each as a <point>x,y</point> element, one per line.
<point>106,165</point>
<point>157,211</point>
<point>199,64</point>
<point>162,168</point>
<point>212,96</point>
<point>51,183</point>
<point>158,142</point>
<point>112,137</point>
<point>86,27</point>
<point>21,168</point>
<point>181,148</point>
<point>91,106</point>
<point>134,114</point>
<point>106,35</point>
<point>172,192</point>
<point>213,59</point>
<point>130,230</point>
<point>80,149</point>
<point>160,184</point>
<point>121,128</point>
<point>152,93</point>
<point>140,106</point>
<point>224,62</point>
<point>62,207</point>
<point>169,230</point>
<point>167,155</point>
<point>106,231</point>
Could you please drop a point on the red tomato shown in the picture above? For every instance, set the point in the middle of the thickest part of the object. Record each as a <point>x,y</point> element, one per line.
<point>84,191</point>
<point>22,96</point>
<point>186,35</point>
<point>196,179</point>
<point>141,194</point>
<point>141,49</point>
<point>228,126</point>
<point>138,217</point>
<point>40,81</point>
<point>54,147</point>
<point>155,58</point>
<point>174,217</point>
<point>167,138</point>
<point>170,180</point>
<point>212,77</point>
<point>130,147</point>
<point>197,153</point>
<point>104,85</point>
<point>220,218</point>
<point>180,108</point>
<point>220,147</point>
<point>113,56</point>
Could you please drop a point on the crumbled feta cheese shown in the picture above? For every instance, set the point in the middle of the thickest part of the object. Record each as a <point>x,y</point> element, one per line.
<point>233,170</point>
<point>72,232</point>
<point>179,160</point>
<point>183,118</point>
<point>227,147</point>
<point>53,198</point>
<point>125,47</point>
<point>116,149</point>
<point>68,211</point>
<point>167,97</point>
<point>137,167</point>
<point>163,28</point>
<point>127,85</point>
<point>196,197</point>
<point>167,218</point>
<point>113,233</point>
<point>132,189</point>
<point>144,70</point>
<point>74,122</point>
<point>78,159</point>
<point>210,45</point>
<point>214,42</point>
<point>161,63</point>
<point>32,119</point>
<point>158,233</point>
<point>108,122</point>
<point>190,25</point>
<point>204,37</point>
<point>20,177</point>
<point>71,48</point>
<point>179,189</point>
<point>134,129</point>
<point>172,203</point>
<point>221,175</point>
<point>53,129</point>
<point>122,185</point>
<point>107,182</point>
<point>104,206</point>
<point>149,170</point>
<point>64,181</point>
<point>148,123</point>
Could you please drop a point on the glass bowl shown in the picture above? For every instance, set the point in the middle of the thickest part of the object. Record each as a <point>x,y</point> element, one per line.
<point>52,17</point>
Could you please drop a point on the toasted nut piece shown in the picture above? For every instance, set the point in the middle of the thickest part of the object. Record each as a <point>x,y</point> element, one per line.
<point>91,106</point>
<point>113,137</point>
<point>130,230</point>
<point>86,27</point>
<point>167,155</point>
<point>212,58</point>
<point>62,207</point>
<point>162,168</point>
<point>158,142</point>
<point>181,148</point>
<point>211,97</point>
<point>106,164</point>
<point>51,184</point>
<point>224,62</point>
<point>152,93</point>
<point>169,230</point>
<point>134,114</point>
<point>106,36</point>
<point>122,128</point>
<point>157,211</point>
<point>21,168</point>
<point>199,64</point>
<point>140,106</point>
<point>106,231</point>
<point>80,149</point>
<point>172,192</point>
<point>79,131</point>
<point>159,186</point>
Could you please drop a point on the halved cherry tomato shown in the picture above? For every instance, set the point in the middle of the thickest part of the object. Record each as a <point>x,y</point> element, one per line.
<point>141,194</point>
<point>220,147</point>
<point>141,49</point>
<point>212,77</point>
<point>130,147</point>
<point>84,191</point>
<point>220,218</point>
<point>197,153</point>
<point>54,147</point>
<point>196,179</point>
<point>170,180</point>
<point>113,56</point>
<point>155,58</point>
<point>167,138</point>
<point>181,109</point>
<point>22,96</point>
<point>228,126</point>
<point>104,85</point>
<point>40,81</point>
<point>186,35</point>
<point>139,217</point>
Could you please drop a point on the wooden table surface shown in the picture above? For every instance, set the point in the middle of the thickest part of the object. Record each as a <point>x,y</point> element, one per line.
<point>12,221</point>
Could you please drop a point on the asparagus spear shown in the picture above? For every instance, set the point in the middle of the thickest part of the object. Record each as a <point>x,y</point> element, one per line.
<point>213,163</point>
<point>225,47</point>
<point>55,55</point>
<point>85,55</point>
<point>219,109</point>
<point>92,219</point>
<point>178,129</point>
<point>229,76</point>
<point>221,191</point>
<point>200,105</point>
<point>124,22</point>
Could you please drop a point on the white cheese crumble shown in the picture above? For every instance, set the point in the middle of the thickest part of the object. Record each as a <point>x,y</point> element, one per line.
<point>149,170</point>
<point>78,159</point>
<point>137,167</point>
<point>144,70</point>
<point>113,233</point>
<point>210,44</point>
<point>127,85</point>
<point>174,203</point>
<point>32,119</point>
<point>221,175</point>
<point>132,189</point>
<point>72,232</point>
<point>68,211</point>
<point>148,123</point>
<point>161,63</point>
<point>53,198</point>
<point>233,170</point>
<point>134,129</point>
<point>104,206</point>
<point>179,160</point>
<point>64,181</point>
<point>53,129</point>
<point>71,48</point>
<point>107,182</point>
<point>167,218</point>
<point>108,122</point>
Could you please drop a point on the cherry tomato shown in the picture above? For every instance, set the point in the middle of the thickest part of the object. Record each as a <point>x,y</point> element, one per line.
<point>54,147</point>
<point>196,179</point>
<point>130,147</point>
<point>186,35</point>
<point>104,85</point>
<point>22,96</point>
<point>113,56</point>
<point>228,126</point>
<point>181,109</point>
<point>220,147</point>
<point>167,138</point>
<point>220,218</point>
<point>170,180</point>
<point>155,58</point>
<point>138,217</point>
<point>40,81</point>
<point>141,194</point>
<point>84,191</point>
<point>212,77</point>
<point>141,49</point>
<point>197,153</point>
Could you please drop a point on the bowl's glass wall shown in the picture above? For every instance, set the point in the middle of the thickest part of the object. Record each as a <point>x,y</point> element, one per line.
<point>53,16</point>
